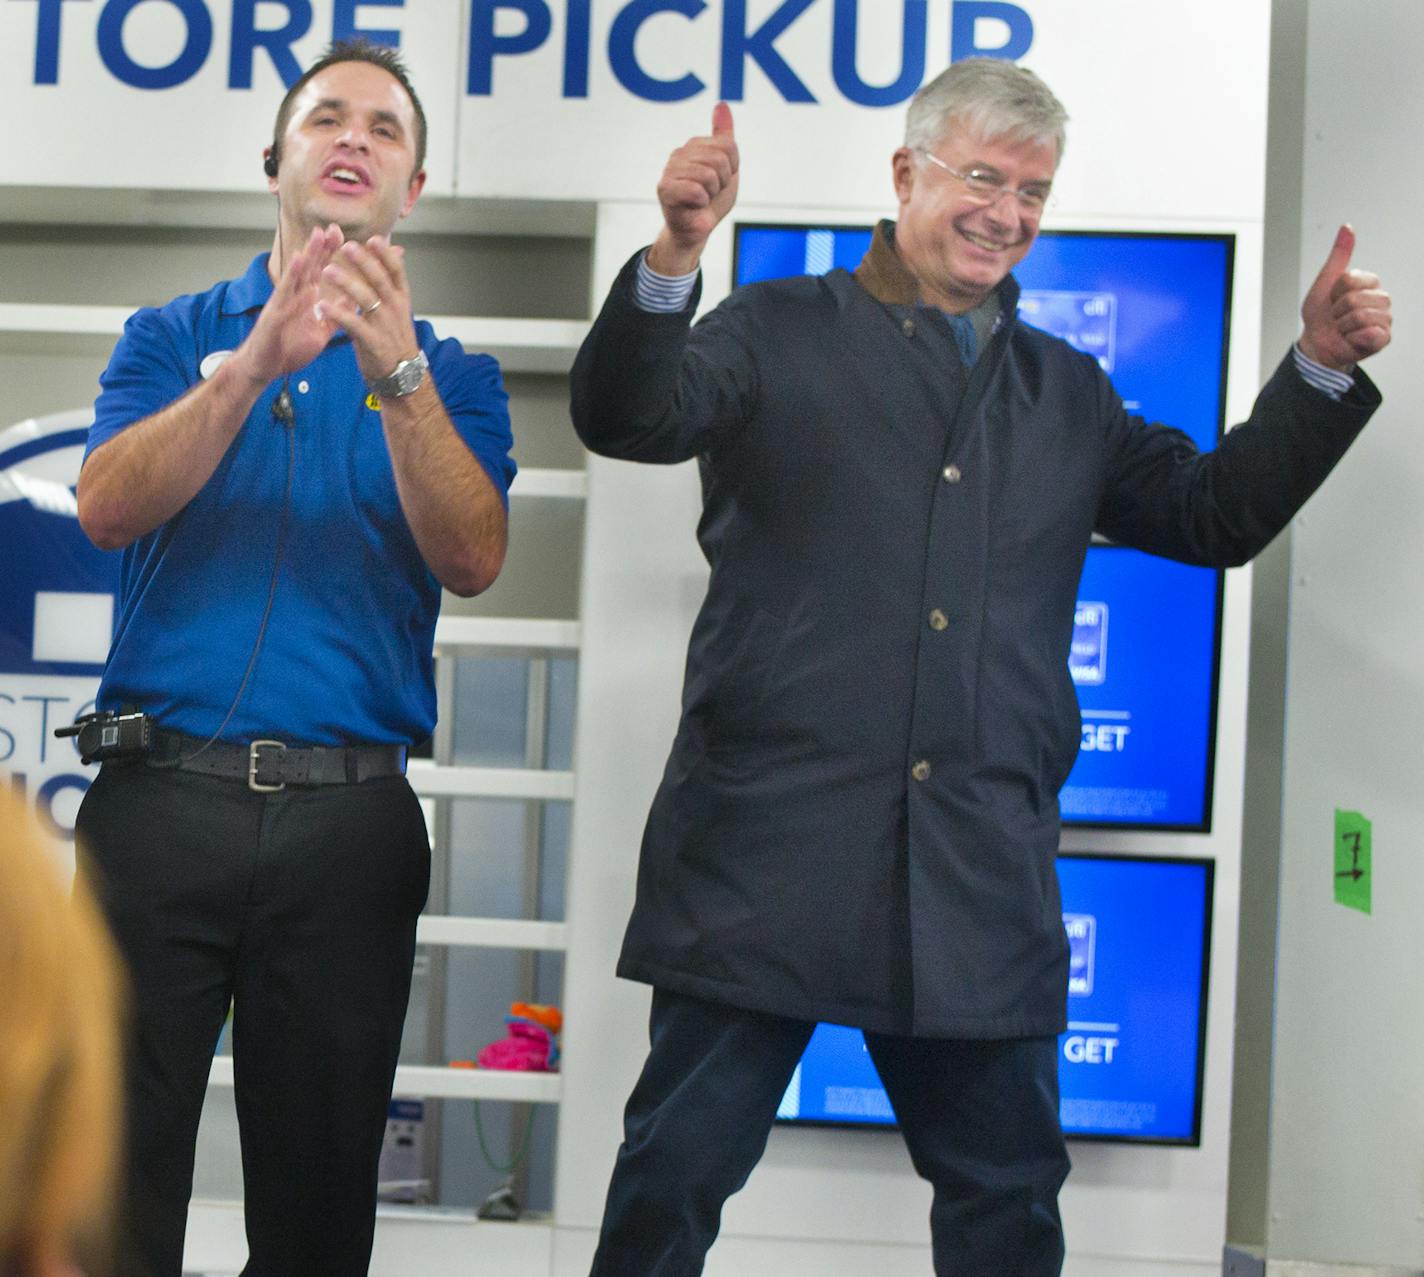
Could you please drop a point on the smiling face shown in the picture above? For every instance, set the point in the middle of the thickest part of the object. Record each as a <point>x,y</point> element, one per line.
<point>348,154</point>
<point>957,246</point>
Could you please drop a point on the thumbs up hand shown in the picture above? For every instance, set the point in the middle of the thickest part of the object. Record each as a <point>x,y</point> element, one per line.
<point>697,190</point>
<point>1346,312</point>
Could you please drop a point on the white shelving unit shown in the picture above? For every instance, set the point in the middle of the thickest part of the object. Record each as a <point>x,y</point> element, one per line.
<point>557,485</point>
<point>520,345</point>
<point>61,321</point>
<point>428,1081</point>
<point>431,780</point>
<point>492,933</point>
<point>540,639</point>
<point>501,633</point>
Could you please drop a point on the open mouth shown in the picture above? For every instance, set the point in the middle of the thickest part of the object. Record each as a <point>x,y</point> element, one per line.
<point>344,177</point>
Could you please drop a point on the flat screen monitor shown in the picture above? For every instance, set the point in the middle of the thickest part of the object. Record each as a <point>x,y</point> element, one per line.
<point>1130,1065</point>
<point>1144,662</point>
<point>1154,310</point>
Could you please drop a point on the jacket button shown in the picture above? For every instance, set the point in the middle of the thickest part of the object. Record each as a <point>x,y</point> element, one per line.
<point>951,474</point>
<point>938,620</point>
<point>921,770</point>
<point>907,327</point>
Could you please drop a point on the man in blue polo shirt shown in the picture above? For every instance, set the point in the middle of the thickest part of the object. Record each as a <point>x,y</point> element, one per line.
<point>293,467</point>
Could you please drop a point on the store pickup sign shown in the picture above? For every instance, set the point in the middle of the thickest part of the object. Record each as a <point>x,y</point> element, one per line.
<point>525,99</point>
<point>743,36</point>
<point>582,100</point>
<point>161,44</point>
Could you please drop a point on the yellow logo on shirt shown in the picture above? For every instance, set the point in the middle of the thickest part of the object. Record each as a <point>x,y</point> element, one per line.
<point>373,402</point>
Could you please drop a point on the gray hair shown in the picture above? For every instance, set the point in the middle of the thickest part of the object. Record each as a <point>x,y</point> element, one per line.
<point>988,96</point>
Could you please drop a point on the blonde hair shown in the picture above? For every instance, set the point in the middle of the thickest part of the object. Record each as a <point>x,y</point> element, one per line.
<point>59,1058</point>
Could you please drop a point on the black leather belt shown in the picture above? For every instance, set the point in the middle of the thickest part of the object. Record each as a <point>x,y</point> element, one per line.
<point>270,765</point>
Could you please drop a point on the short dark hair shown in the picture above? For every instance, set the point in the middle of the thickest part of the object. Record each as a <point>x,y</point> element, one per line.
<point>358,50</point>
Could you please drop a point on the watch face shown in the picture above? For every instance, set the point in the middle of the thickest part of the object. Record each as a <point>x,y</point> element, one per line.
<point>408,375</point>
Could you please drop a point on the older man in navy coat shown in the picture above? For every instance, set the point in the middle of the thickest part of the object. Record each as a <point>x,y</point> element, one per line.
<point>859,818</point>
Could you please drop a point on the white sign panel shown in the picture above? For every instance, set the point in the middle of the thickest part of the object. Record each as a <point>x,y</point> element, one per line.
<point>582,99</point>
<point>1167,102</point>
<point>182,94</point>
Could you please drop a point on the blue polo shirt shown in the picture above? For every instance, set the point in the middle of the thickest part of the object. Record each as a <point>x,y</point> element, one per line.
<point>347,655</point>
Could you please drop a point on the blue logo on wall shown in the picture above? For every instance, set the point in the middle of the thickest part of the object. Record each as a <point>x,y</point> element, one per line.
<point>56,613</point>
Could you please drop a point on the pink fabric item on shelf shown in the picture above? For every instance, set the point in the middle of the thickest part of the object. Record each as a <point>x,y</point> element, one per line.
<point>529,1047</point>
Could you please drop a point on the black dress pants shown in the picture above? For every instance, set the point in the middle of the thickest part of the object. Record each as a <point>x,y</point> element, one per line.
<point>980,1120</point>
<point>299,907</point>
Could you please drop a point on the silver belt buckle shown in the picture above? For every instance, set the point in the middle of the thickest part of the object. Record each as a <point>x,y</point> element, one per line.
<point>252,782</point>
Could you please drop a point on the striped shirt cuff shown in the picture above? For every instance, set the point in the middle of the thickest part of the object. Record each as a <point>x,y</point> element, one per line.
<point>1329,380</point>
<point>661,294</point>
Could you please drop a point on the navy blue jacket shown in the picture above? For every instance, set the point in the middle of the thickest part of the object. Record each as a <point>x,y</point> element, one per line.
<point>859,817</point>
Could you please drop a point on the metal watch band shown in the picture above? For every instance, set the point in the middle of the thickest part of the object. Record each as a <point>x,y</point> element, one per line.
<point>403,379</point>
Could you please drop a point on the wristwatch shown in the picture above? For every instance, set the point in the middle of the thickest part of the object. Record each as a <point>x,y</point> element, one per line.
<point>403,379</point>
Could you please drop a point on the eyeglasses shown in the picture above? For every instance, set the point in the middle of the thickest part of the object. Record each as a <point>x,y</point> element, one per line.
<point>988,187</point>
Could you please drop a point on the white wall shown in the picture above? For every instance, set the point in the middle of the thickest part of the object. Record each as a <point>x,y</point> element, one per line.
<point>1347,1107</point>
<point>1270,584</point>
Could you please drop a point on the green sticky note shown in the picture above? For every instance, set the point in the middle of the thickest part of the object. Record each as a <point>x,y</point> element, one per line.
<point>1352,860</point>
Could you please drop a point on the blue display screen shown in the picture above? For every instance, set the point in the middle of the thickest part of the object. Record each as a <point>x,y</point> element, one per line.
<point>1153,309</point>
<point>1144,664</point>
<point>775,252</point>
<point>1130,1064</point>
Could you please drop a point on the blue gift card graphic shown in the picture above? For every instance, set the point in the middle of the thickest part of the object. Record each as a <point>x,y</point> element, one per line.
<point>1086,321</point>
<point>1082,929</point>
<point>1088,655</point>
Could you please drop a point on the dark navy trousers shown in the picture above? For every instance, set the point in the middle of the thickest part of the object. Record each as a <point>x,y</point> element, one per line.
<point>980,1119</point>
<point>299,907</point>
